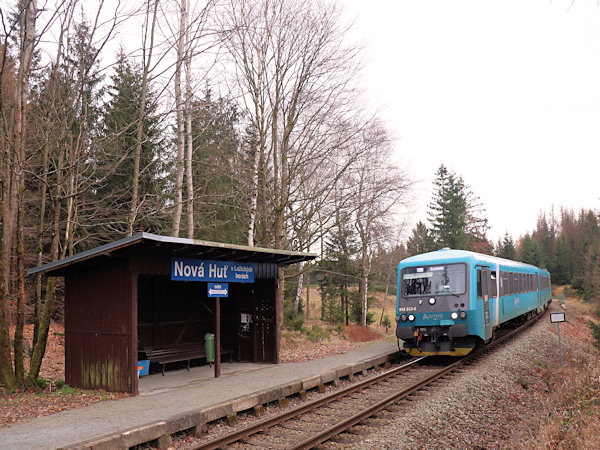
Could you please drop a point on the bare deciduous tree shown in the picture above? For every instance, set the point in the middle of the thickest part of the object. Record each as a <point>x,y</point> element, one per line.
<point>381,190</point>
<point>149,28</point>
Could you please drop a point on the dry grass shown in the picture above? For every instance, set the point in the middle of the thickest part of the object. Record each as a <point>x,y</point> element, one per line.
<point>570,416</point>
<point>379,303</point>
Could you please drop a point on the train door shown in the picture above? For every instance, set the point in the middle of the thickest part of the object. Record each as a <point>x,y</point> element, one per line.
<point>485,293</point>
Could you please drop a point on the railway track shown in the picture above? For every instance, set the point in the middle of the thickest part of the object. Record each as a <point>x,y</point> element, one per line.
<point>315,422</point>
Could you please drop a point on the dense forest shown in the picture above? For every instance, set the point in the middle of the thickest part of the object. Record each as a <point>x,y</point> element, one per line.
<point>239,121</point>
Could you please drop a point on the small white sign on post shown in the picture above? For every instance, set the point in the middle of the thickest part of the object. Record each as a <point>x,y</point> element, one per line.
<point>557,318</point>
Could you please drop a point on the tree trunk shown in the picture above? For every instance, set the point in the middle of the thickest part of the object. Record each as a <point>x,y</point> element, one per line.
<point>40,346</point>
<point>254,196</point>
<point>345,301</point>
<point>44,324</point>
<point>40,244</point>
<point>387,285</point>
<point>299,289</point>
<point>308,291</point>
<point>140,126</point>
<point>6,368</point>
<point>188,123</point>
<point>179,119</point>
<point>20,316</point>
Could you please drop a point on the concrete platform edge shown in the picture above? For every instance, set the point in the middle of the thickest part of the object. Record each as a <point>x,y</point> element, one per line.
<point>168,426</point>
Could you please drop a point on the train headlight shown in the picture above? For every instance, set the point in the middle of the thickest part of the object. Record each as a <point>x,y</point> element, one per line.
<point>462,315</point>
<point>431,301</point>
<point>454,315</point>
<point>403,317</point>
<point>411,317</point>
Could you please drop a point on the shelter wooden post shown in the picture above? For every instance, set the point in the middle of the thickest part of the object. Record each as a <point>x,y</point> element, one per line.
<point>217,340</point>
<point>279,294</point>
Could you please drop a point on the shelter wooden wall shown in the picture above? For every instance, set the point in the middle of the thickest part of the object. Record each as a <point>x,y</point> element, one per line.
<point>101,328</point>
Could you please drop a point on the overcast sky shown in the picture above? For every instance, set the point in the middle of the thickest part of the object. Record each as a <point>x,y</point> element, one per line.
<point>506,93</point>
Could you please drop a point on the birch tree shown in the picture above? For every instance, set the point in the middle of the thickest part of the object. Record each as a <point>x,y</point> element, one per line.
<point>179,120</point>
<point>381,190</point>
<point>293,72</point>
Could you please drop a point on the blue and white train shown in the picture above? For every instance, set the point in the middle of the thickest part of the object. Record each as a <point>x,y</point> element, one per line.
<point>450,301</point>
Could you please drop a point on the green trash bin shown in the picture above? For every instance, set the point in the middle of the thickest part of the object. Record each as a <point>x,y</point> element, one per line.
<point>209,346</point>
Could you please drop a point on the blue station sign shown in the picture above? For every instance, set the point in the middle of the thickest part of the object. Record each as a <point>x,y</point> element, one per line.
<point>183,269</point>
<point>218,289</point>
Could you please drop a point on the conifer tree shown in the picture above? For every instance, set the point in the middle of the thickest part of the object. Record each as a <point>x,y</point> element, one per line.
<point>562,271</point>
<point>530,251</point>
<point>506,247</point>
<point>421,240</point>
<point>219,209</point>
<point>456,215</point>
<point>115,171</point>
<point>338,271</point>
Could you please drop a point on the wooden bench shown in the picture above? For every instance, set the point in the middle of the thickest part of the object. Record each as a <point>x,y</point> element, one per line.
<point>188,351</point>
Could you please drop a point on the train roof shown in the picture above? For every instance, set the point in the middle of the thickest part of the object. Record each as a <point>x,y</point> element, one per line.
<point>449,256</point>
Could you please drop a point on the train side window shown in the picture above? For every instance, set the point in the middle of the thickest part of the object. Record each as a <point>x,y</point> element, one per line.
<point>504,284</point>
<point>479,294</point>
<point>493,288</point>
<point>510,283</point>
<point>515,283</point>
<point>521,282</point>
<point>531,287</point>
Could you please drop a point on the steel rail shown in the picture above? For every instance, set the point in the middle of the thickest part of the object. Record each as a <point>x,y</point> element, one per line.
<point>343,425</point>
<point>371,410</point>
<point>301,409</point>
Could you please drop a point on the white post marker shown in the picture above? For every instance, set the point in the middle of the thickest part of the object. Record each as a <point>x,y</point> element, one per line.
<point>557,318</point>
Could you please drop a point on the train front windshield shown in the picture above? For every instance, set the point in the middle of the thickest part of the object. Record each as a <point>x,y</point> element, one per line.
<point>447,279</point>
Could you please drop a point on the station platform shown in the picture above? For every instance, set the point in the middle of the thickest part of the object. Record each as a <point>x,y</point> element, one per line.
<point>182,400</point>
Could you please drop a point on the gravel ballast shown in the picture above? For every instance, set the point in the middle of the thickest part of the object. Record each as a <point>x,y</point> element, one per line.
<point>492,404</point>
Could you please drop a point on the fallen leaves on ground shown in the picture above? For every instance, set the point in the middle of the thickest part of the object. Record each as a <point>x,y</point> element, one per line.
<point>25,404</point>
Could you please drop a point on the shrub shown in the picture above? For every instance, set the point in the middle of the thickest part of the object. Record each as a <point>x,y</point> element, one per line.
<point>293,319</point>
<point>595,333</point>
<point>387,323</point>
<point>370,318</point>
<point>67,390</point>
<point>317,334</point>
<point>543,364</point>
<point>523,382</point>
<point>41,383</point>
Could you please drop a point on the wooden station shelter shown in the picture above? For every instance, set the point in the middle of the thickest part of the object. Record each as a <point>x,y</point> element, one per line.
<point>147,291</point>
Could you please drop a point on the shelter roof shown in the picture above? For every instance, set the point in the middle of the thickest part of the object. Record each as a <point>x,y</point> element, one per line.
<point>173,247</point>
